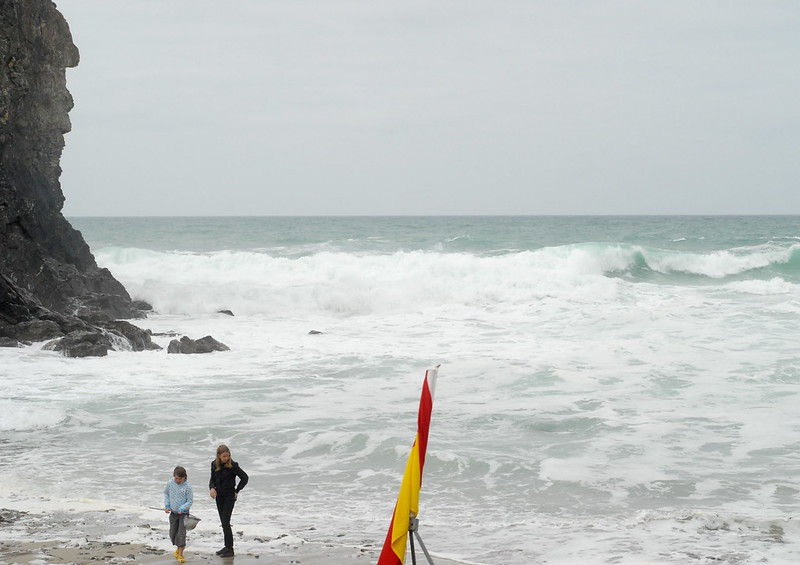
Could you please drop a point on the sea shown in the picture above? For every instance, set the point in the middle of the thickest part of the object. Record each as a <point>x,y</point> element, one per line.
<point>620,390</point>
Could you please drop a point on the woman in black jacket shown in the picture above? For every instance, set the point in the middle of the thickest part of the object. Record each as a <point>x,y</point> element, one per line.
<point>224,490</point>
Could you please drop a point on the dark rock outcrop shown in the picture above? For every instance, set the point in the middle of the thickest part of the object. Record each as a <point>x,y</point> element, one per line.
<point>96,341</point>
<point>23,318</point>
<point>82,343</point>
<point>48,276</point>
<point>139,339</point>
<point>203,345</point>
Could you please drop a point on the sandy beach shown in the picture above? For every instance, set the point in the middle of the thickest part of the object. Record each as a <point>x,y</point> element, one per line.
<point>84,537</point>
<point>62,552</point>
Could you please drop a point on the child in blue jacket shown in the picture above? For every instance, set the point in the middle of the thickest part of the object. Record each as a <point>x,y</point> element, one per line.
<point>177,502</point>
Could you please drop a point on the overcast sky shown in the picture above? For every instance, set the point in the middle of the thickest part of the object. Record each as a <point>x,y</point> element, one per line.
<point>325,107</point>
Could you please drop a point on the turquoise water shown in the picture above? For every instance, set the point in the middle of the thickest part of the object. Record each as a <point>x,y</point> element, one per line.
<point>676,249</point>
<point>612,390</point>
<point>475,234</point>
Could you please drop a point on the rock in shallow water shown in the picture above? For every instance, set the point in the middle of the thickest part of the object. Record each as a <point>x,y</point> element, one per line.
<point>136,336</point>
<point>203,345</point>
<point>81,344</point>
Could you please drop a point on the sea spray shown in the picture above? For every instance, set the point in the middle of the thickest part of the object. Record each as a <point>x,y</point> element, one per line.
<point>611,389</point>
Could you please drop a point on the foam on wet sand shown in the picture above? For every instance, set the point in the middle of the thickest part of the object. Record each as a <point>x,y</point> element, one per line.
<point>42,538</point>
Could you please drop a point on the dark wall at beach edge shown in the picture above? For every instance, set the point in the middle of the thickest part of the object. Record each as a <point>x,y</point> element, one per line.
<point>50,284</point>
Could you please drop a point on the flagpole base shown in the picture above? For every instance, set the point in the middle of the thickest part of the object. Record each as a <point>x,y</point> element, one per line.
<point>413,529</point>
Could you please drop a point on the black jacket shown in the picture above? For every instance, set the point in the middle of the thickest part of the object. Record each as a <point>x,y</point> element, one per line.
<point>224,480</point>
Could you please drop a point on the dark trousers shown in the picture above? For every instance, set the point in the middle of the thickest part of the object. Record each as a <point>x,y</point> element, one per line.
<point>225,509</point>
<point>177,529</point>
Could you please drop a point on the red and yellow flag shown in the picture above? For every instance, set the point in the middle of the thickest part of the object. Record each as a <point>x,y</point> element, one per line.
<point>394,548</point>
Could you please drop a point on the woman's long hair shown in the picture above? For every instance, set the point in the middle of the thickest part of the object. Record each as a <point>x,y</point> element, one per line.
<point>218,462</point>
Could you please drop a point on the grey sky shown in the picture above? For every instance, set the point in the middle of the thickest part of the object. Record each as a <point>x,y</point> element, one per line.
<point>316,107</point>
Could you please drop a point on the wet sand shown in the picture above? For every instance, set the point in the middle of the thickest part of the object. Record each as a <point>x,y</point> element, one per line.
<point>40,553</point>
<point>87,537</point>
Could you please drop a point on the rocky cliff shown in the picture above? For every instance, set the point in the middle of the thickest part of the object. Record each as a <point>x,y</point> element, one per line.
<point>47,272</point>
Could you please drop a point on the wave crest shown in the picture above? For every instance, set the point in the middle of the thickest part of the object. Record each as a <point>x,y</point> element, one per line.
<point>352,284</point>
<point>22,416</point>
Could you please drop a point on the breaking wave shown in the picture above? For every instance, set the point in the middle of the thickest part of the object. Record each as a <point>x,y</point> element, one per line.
<point>352,284</point>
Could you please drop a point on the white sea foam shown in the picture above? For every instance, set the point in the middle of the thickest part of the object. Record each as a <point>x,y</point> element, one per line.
<point>342,284</point>
<point>585,412</point>
<point>21,415</point>
<point>346,284</point>
<point>775,285</point>
<point>716,265</point>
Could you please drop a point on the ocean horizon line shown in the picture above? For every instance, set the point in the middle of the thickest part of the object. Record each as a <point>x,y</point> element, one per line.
<point>231,216</point>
